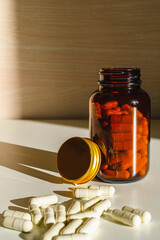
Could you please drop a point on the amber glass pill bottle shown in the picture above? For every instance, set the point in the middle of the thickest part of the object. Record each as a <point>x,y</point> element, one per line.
<point>119,122</point>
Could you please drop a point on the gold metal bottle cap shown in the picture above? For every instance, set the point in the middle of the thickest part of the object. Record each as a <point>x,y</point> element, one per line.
<point>78,160</point>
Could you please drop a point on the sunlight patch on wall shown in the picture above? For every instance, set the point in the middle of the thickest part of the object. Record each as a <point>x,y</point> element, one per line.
<point>9,79</point>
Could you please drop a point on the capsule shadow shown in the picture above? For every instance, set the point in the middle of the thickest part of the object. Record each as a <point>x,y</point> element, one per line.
<point>0,220</point>
<point>68,203</point>
<point>108,218</point>
<point>35,234</point>
<point>65,193</point>
<point>14,208</point>
<point>21,202</point>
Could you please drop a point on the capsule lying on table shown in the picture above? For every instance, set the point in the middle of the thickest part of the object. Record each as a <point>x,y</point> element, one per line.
<point>89,226</point>
<point>86,214</point>
<point>105,190</point>
<point>75,207</point>
<point>86,193</point>
<point>17,214</point>
<point>126,217</point>
<point>17,224</point>
<point>53,231</point>
<point>144,215</point>
<point>71,227</point>
<point>76,236</point>
<point>44,200</point>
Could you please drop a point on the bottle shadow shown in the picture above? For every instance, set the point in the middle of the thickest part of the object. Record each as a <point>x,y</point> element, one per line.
<point>155,129</point>
<point>30,161</point>
<point>82,123</point>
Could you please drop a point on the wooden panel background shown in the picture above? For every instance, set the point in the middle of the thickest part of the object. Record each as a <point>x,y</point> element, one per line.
<point>51,50</point>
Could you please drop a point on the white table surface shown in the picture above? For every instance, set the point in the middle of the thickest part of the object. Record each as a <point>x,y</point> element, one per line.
<point>28,168</point>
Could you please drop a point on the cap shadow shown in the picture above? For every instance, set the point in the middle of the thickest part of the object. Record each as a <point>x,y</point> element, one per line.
<point>30,161</point>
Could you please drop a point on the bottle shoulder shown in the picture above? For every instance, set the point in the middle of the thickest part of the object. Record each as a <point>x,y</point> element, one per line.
<point>95,95</point>
<point>124,95</point>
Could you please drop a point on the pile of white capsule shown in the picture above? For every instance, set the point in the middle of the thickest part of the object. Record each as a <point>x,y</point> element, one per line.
<point>79,221</point>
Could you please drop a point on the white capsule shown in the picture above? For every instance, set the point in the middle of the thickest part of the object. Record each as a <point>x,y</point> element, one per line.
<point>17,214</point>
<point>102,206</point>
<point>144,215</point>
<point>60,213</point>
<point>126,217</point>
<point>36,214</point>
<point>89,226</point>
<point>44,200</point>
<point>86,193</point>
<point>49,216</point>
<point>17,224</point>
<point>76,236</point>
<point>53,231</point>
<point>91,202</point>
<point>109,210</point>
<point>86,214</point>
<point>71,227</point>
<point>75,207</point>
<point>106,190</point>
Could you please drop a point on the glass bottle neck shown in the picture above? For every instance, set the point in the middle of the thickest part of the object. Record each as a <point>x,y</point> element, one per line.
<point>119,77</point>
<point>119,87</point>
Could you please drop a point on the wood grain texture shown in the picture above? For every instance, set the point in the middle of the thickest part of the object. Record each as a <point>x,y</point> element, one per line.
<point>51,50</point>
